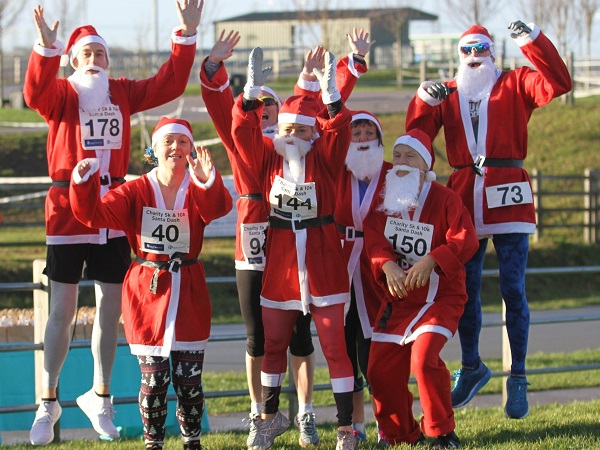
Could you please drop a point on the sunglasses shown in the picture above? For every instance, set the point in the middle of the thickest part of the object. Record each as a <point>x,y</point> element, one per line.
<point>479,48</point>
<point>268,101</point>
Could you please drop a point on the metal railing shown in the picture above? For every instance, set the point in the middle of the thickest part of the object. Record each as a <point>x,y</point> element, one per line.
<point>40,287</point>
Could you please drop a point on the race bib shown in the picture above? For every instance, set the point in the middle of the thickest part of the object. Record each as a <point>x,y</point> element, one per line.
<point>508,194</point>
<point>291,201</point>
<point>410,240</point>
<point>101,129</point>
<point>254,242</point>
<point>165,231</point>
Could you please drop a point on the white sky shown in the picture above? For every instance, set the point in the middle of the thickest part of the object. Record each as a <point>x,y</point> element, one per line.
<point>129,24</point>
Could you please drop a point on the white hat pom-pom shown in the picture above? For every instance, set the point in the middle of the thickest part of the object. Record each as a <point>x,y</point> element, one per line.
<point>430,176</point>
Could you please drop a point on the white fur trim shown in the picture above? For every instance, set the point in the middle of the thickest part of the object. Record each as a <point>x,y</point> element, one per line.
<point>58,48</point>
<point>94,167</point>
<point>171,128</point>
<point>528,38</point>
<point>219,89</point>
<point>272,93</point>
<point>416,145</point>
<point>77,46</point>
<point>370,117</point>
<point>183,40</point>
<point>312,86</point>
<point>430,176</point>
<point>352,66</point>
<point>209,182</point>
<point>423,95</point>
<point>476,38</point>
<point>296,118</point>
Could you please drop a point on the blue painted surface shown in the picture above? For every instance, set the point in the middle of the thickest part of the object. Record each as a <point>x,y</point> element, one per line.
<point>17,387</point>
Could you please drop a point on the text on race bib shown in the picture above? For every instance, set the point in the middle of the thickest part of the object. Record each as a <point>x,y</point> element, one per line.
<point>165,231</point>
<point>254,242</point>
<point>293,201</point>
<point>410,240</point>
<point>508,194</point>
<point>101,129</point>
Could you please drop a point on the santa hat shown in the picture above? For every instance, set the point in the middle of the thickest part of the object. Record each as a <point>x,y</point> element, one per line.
<point>420,142</point>
<point>299,109</point>
<point>167,125</point>
<point>271,93</point>
<point>365,115</point>
<point>477,34</point>
<point>81,36</point>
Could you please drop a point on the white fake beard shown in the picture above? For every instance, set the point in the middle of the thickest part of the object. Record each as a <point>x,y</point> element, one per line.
<point>476,84</point>
<point>401,193</point>
<point>365,163</point>
<point>293,150</point>
<point>92,89</point>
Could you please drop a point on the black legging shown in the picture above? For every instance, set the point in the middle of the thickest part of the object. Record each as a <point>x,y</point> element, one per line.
<point>358,346</point>
<point>249,285</point>
<point>187,383</point>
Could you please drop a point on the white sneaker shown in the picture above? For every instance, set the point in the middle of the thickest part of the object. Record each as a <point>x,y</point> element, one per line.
<point>42,430</point>
<point>101,413</point>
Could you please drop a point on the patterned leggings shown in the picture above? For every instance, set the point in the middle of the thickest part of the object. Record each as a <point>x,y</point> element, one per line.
<point>187,383</point>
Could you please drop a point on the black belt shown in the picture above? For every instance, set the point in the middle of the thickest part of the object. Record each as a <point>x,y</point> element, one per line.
<point>104,181</point>
<point>350,233</point>
<point>491,162</point>
<point>172,265</point>
<point>276,222</point>
<point>252,196</point>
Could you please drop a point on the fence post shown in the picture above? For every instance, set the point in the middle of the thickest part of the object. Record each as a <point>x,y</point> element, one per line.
<point>591,190</point>
<point>41,310</point>
<point>536,187</point>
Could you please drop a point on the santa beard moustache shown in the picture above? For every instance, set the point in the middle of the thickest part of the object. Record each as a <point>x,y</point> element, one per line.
<point>92,89</point>
<point>476,84</point>
<point>401,193</point>
<point>365,164</point>
<point>293,150</point>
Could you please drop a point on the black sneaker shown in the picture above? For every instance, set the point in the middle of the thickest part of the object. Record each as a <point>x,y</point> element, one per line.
<point>449,440</point>
<point>420,442</point>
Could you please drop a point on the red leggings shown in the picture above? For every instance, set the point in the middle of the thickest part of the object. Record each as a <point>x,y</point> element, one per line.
<point>389,371</point>
<point>329,321</point>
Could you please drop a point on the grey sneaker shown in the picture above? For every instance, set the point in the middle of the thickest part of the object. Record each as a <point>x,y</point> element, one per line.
<point>268,430</point>
<point>101,413</point>
<point>252,423</point>
<point>345,440</point>
<point>308,429</point>
<point>42,430</point>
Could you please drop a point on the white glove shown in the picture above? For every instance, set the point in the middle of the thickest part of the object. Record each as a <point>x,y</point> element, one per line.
<point>256,74</point>
<point>329,91</point>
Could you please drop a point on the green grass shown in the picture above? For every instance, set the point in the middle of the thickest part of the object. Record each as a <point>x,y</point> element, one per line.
<point>554,427</point>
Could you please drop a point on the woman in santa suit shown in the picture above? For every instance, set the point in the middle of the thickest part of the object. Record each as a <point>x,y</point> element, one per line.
<point>418,238</point>
<point>166,305</point>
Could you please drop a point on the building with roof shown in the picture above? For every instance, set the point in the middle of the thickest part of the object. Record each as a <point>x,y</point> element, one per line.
<point>286,36</point>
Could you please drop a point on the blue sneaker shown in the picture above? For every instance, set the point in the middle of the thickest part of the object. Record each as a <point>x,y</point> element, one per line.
<point>359,436</point>
<point>468,382</point>
<point>517,406</point>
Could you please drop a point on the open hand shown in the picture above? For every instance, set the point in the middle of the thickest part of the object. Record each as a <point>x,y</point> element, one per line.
<point>202,166</point>
<point>189,13</point>
<point>46,35</point>
<point>223,48</point>
<point>358,41</point>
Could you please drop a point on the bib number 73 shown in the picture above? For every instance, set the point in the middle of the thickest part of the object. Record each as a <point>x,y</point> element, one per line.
<point>508,194</point>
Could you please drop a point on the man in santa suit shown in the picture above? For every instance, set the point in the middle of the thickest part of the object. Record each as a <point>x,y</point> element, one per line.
<point>88,115</point>
<point>357,188</point>
<point>252,216</point>
<point>485,125</point>
<point>305,270</point>
<point>418,238</point>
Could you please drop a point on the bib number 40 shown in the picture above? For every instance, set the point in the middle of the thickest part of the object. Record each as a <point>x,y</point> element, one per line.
<point>170,233</point>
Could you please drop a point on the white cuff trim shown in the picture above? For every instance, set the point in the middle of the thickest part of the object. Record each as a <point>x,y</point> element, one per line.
<point>209,182</point>
<point>529,38</point>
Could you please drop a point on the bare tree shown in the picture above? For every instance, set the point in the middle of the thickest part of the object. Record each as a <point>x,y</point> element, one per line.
<point>536,11</point>
<point>9,13</point>
<point>472,12</point>
<point>561,17</point>
<point>588,10</point>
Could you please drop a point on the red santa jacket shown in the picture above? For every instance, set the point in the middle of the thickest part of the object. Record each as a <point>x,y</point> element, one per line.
<point>500,200</point>
<point>441,227</point>
<point>305,266</point>
<point>251,207</point>
<point>350,214</point>
<point>178,315</point>
<point>58,103</point>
